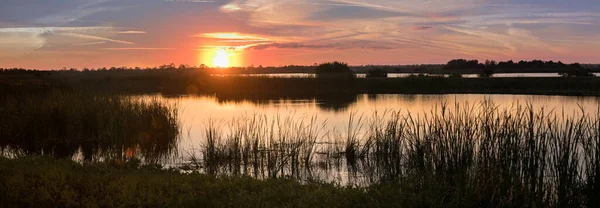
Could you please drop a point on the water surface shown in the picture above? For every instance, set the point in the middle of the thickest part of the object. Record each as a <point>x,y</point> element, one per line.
<point>196,111</point>
<point>394,75</point>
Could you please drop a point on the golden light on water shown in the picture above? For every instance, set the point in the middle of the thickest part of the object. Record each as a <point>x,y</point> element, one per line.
<point>221,58</point>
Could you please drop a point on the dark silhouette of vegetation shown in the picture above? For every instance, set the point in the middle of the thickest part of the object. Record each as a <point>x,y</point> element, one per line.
<point>483,70</point>
<point>377,73</point>
<point>334,70</point>
<point>487,69</point>
<point>576,70</point>
<point>47,182</point>
<point>173,82</point>
<point>63,122</point>
<point>514,157</point>
<point>463,64</point>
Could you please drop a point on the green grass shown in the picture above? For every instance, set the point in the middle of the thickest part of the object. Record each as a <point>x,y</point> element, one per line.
<point>44,181</point>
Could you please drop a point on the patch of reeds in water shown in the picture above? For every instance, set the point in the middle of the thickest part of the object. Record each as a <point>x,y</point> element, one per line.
<point>91,125</point>
<point>480,154</point>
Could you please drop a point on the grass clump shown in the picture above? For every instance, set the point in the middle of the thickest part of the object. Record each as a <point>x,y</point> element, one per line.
<point>64,123</point>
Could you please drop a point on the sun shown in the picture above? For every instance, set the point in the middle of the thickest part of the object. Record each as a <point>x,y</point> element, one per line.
<point>221,58</point>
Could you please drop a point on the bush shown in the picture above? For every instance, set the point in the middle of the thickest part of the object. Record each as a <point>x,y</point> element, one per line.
<point>576,70</point>
<point>334,70</point>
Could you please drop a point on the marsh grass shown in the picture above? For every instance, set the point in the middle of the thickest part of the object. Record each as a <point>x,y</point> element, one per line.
<point>261,147</point>
<point>478,155</point>
<point>93,126</point>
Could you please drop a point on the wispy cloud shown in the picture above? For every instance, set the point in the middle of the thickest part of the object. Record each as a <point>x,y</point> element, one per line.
<point>191,1</point>
<point>233,37</point>
<point>89,43</point>
<point>92,37</point>
<point>422,28</point>
<point>23,40</point>
<point>131,32</point>
<point>338,46</point>
<point>135,49</point>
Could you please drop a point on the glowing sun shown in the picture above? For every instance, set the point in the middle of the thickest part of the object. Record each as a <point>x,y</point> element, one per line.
<point>221,58</point>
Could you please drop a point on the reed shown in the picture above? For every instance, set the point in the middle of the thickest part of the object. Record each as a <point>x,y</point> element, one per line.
<point>94,126</point>
<point>469,154</point>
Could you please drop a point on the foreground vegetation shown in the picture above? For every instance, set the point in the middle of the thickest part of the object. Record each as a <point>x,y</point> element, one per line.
<point>44,181</point>
<point>467,155</point>
<point>63,123</point>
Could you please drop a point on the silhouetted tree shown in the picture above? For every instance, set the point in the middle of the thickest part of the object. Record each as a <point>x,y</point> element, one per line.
<point>334,70</point>
<point>576,70</point>
<point>463,64</point>
<point>332,67</point>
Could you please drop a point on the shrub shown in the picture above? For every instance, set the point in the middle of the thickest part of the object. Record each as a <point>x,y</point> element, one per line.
<point>334,70</point>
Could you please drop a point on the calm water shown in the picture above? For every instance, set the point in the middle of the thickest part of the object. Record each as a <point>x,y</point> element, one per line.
<point>397,75</point>
<point>196,111</point>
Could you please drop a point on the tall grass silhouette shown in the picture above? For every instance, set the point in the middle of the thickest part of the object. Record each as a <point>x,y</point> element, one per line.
<point>64,123</point>
<point>481,154</point>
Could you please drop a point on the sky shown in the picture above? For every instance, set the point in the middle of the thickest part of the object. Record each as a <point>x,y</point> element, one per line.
<point>51,34</point>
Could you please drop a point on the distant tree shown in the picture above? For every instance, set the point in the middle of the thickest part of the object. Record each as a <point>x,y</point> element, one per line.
<point>332,67</point>
<point>463,64</point>
<point>334,70</point>
<point>576,70</point>
<point>167,66</point>
<point>490,64</point>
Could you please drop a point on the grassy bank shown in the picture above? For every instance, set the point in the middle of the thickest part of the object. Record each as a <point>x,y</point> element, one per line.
<point>63,123</point>
<point>44,181</point>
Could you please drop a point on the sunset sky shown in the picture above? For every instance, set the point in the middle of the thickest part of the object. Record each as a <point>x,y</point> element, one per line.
<point>48,34</point>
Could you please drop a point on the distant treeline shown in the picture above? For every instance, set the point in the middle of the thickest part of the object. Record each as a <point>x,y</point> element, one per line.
<point>489,67</point>
<point>172,66</point>
<point>456,66</point>
<point>491,64</point>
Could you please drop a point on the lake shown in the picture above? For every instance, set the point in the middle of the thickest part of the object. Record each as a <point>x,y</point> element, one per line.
<point>331,117</point>
<point>196,111</point>
<point>393,75</point>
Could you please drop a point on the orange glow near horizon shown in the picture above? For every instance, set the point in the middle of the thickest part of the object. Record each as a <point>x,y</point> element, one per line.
<point>221,58</point>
